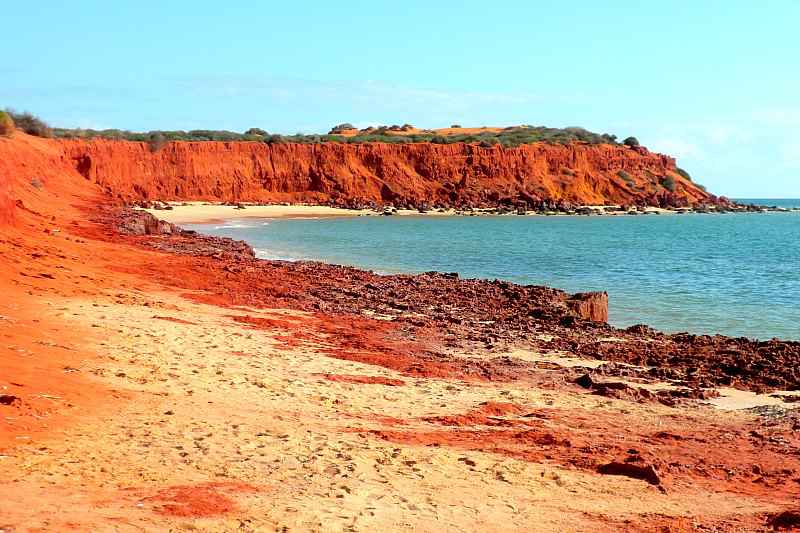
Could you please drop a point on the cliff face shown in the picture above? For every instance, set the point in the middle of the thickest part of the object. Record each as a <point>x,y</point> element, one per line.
<point>404,175</point>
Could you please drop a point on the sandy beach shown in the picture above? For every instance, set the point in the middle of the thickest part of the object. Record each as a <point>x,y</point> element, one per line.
<point>523,268</point>
<point>155,380</point>
<point>203,212</point>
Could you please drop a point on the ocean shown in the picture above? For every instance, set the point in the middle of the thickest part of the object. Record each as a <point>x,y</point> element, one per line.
<point>735,274</point>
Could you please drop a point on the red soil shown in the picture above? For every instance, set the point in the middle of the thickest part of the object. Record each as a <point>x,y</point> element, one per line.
<point>363,380</point>
<point>176,320</point>
<point>40,381</point>
<point>290,333</point>
<point>207,499</point>
<point>487,414</point>
<point>48,249</point>
<point>681,450</point>
<point>360,339</point>
<point>41,354</point>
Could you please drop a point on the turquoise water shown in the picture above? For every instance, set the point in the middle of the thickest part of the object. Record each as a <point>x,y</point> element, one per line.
<point>737,274</point>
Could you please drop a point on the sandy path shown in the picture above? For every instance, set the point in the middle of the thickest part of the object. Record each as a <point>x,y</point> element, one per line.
<point>223,418</point>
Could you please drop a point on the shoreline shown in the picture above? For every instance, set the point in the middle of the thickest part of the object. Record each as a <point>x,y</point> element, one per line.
<point>626,312</point>
<point>209,213</point>
<point>190,328</point>
<point>154,379</point>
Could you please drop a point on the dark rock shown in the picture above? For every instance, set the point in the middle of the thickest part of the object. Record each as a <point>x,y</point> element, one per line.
<point>786,520</point>
<point>135,222</point>
<point>8,399</point>
<point>646,472</point>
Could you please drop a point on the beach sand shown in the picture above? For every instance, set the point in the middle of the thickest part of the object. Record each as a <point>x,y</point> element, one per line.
<point>202,212</point>
<point>226,428</point>
<point>137,395</point>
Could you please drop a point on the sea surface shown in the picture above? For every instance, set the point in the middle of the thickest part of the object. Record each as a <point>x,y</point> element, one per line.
<point>736,274</point>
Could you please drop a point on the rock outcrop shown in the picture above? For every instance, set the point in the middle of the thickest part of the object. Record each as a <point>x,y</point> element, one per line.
<point>590,305</point>
<point>409,175</point>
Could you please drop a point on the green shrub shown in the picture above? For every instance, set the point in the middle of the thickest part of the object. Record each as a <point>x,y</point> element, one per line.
<point>274,139</point>
<point>456,126</point>
<point>627,178</point>
<point>631,141</point>
<point>683,173</point>
<point>6,124</point>
<point>30,124</point>
<point>509,137</point>
<point>157,141</point>
<point>341,127</point>
<point>668,182</point>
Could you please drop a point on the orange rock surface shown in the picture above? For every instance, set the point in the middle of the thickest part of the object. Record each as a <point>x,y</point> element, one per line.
<point>412,174</point>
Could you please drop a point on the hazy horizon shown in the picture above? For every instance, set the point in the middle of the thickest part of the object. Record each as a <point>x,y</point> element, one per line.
<point>709,84</point>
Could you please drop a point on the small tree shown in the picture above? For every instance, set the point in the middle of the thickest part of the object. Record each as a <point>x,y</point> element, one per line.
<point>342,127</point>
<point>627,178</point>
<point>456,126</point>
<point>255,131</point>
<point>6,124</point>
<point>274,139</point>
<point>156,141</point>
<point>30,124</point>
<point>631,141</point>
<point>683,174</point>
<point>668,182</point>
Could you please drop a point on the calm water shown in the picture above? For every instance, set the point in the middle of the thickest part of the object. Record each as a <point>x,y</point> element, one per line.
<point>736,274</point>
<point>781,202</point>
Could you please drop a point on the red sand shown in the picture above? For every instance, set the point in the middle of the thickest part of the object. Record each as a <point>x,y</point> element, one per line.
<point>364,380</point>
<point>50,247</point>
<point>207,499</point>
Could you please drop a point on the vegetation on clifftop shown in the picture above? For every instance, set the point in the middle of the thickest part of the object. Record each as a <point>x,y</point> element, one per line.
<point>29,123</point>
<point>6,124</point>
<point>685,175</point>
<point>508,137</point>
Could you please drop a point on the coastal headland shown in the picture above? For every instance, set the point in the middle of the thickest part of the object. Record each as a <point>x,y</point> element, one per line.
<point>154,378</point>
<point>416,175</point>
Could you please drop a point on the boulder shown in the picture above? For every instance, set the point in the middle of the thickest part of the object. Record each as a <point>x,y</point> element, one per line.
<point>589,306</point>
<point>135,222</point>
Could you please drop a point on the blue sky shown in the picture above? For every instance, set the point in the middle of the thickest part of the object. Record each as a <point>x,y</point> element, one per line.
<point>714,83</point>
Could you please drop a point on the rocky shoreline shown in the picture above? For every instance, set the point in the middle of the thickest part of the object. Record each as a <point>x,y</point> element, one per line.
<point>491,316</point>
<point>153,378</point>
<point>541,209</point>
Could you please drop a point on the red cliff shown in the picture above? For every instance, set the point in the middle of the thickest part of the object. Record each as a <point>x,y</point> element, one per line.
<point>345,174</point>
<point>410,174</point>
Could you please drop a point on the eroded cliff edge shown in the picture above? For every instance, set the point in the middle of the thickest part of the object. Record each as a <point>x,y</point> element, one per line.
<point>411,175</point>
